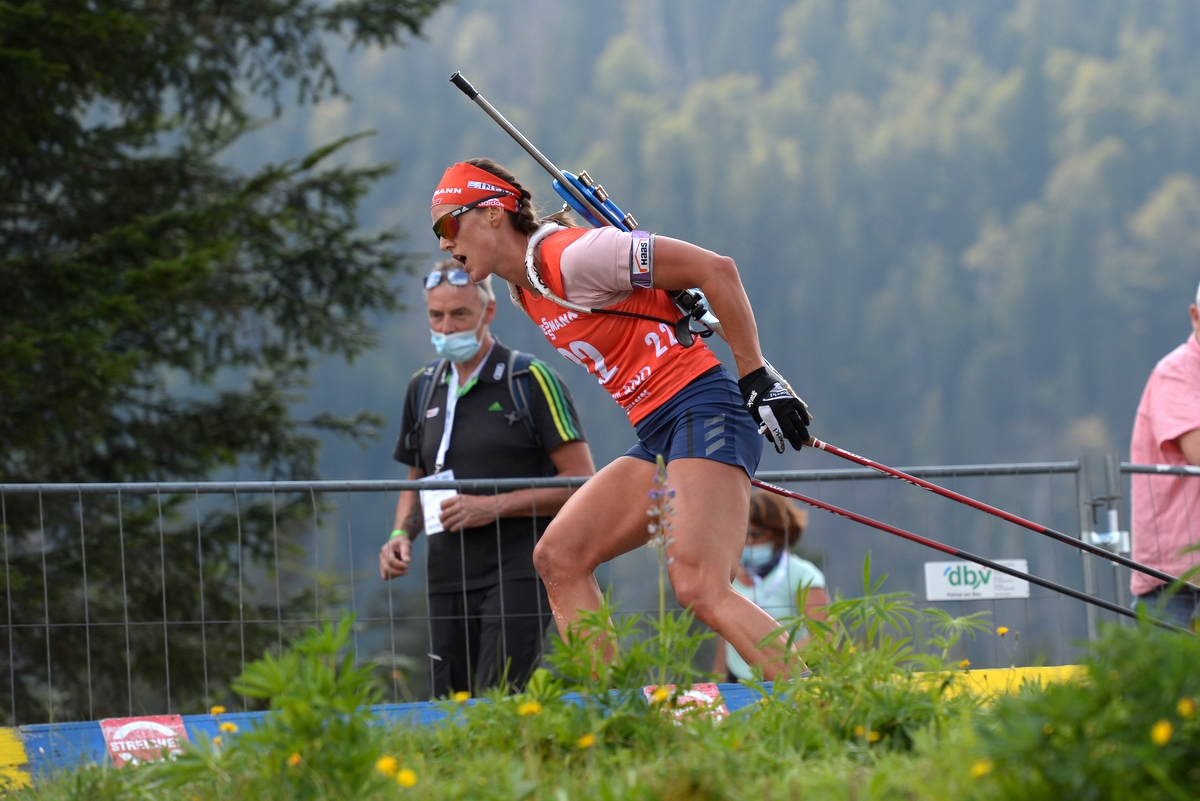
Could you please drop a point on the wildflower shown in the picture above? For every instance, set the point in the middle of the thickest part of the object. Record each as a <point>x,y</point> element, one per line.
<point>294,760</point>
<point>966,663</point>
<point>527,709</point>
<point>1186,708</point>
<point>1002,630</point>
<point>406,778</point>
<point>659,695</point>
<point>860,730</point>
<point>982,767</point>
<point>217,710</point>
<point>216,741</point>
<point>874,737</point>
<point>460,696</point>
<point>1161,732</point>
<point>387,765</point>
<point>228,728</point>
<point>586,741</point>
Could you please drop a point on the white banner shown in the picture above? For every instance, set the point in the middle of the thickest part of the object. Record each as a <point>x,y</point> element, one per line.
<point>963,581</point>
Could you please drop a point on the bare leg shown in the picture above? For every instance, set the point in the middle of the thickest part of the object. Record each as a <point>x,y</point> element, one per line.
<point>712,506</point>
<point>602,520</point>
<point>607,518</point>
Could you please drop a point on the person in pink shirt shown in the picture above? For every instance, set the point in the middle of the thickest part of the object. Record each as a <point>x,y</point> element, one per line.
<point>1166,508</point>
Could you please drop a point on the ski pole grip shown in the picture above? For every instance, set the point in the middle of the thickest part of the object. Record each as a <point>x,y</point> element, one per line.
<point>462,83</point>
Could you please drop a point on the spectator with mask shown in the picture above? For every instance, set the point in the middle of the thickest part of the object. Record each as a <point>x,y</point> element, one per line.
<point>1166,508</point>
<point>482,411</point>
<point>771,576</point>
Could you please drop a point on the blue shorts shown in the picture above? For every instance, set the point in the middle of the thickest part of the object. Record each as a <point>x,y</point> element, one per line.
<point>705,420</point>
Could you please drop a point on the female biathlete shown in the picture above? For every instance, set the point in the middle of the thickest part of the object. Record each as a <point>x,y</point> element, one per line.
<point>682,402</point>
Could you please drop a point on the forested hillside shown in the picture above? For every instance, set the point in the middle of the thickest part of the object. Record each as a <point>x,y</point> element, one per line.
<point>969,227</point>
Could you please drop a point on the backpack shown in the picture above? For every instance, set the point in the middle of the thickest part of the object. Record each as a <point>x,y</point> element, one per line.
<point>520,388</point>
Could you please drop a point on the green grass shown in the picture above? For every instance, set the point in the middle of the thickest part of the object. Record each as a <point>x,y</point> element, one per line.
<point>864,728</point>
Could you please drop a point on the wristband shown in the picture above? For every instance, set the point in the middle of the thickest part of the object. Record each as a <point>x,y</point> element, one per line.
<point>398,532</point>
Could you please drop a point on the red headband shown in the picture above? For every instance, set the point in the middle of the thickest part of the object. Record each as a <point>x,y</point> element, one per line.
<point>464,183</point>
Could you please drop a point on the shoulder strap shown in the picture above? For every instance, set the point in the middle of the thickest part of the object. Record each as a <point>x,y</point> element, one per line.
<point>682,326</point>
<point>521,390</point>
<point>430,376</point>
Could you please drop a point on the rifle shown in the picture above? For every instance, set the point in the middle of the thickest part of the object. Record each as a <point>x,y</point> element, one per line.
<point>589,200</point>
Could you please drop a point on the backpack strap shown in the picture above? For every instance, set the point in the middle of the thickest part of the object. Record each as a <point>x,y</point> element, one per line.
<point>520,387</point>
<point>430,376</point>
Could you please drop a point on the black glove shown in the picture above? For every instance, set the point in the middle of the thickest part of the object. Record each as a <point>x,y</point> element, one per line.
<point>780,414</point>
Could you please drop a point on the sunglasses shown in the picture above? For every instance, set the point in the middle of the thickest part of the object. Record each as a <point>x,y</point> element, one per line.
<point>446,226</point>
<point>453,277</point>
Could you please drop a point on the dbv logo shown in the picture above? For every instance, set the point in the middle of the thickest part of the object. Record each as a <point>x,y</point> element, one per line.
<point>966,576</point>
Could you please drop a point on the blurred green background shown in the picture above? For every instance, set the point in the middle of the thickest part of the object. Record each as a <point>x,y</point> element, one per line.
<point>969,229</point>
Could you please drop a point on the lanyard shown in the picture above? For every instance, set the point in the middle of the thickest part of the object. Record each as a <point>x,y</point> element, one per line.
<point>452,403</point>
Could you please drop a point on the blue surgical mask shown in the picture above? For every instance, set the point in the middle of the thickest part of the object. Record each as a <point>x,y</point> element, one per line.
<point>459,347</point>
<point>758,555</point>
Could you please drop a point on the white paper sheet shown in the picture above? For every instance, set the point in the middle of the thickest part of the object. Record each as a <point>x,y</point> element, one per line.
<point>431,501</point>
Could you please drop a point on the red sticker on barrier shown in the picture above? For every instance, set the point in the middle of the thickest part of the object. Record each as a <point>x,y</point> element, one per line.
<point>703,700</point>
<point>148,739</point>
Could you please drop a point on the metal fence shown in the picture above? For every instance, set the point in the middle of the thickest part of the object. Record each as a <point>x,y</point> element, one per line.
<point>149,598</point>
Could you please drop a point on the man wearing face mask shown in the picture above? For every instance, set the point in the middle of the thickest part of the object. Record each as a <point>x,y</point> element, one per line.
<point>488,610</point>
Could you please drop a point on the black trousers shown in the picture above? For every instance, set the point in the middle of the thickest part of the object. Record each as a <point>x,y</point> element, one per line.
<point>481,637</point>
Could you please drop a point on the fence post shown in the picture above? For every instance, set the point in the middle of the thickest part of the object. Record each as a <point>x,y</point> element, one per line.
<point>1113,491</point>
<point>1083,489</point>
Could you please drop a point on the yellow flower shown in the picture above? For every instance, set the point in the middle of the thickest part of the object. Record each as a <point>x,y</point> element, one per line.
<point>294,760</point>
<point>659,695</point>
<point>406,778</point>
<point>228,728</point>
<point>1002,630</point>
<point>217,740</point>
<point>982,767</point>
<point>874,737</point>
<point>1161,732</point>
<point>586,741</point>
<point>460,696</point>
<point>217,710</point>
<point>1186,708</point>
<point>529,708</point>
<point>859,731</point>
<point>387,765</point>
<point>966,663</point>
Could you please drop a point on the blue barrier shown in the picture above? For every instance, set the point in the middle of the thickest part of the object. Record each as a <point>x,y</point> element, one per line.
<point>54,747</point>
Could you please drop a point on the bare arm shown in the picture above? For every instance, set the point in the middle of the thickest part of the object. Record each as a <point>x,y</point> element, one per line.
<point>814,603</point>
<point>470,511</point>
<point>681,265</point>
<point>396,554</point>
<point>719,666</point>
<point>1189,443</point>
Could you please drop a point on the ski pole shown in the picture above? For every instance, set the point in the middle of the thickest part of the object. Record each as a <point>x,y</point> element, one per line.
<point>961,554</point>
<point>1000,513</point>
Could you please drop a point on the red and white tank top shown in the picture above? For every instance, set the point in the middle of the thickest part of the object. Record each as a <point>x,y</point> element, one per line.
<point>639,362</point>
